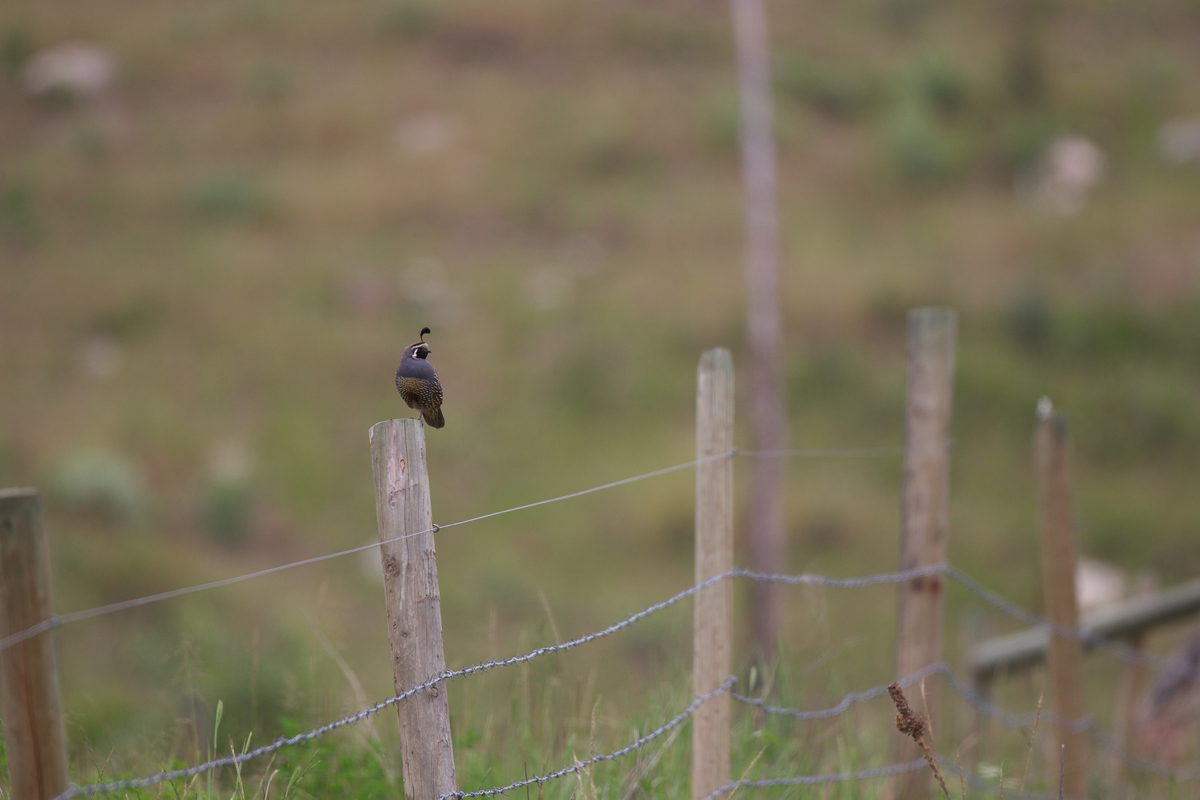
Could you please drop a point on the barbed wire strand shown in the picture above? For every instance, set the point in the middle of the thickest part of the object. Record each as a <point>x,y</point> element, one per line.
<point>59,620</point>
<point>485,666</point>
<point>1120,651</point>
<point>578,765</point>
<point>1085,724</point>
<point>846,702</point>
<point>811,780</point>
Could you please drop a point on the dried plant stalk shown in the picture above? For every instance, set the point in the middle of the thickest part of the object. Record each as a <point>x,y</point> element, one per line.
<point>913,726</point>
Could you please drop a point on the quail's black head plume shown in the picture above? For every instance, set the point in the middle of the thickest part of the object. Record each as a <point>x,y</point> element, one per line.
<point>417,382</point>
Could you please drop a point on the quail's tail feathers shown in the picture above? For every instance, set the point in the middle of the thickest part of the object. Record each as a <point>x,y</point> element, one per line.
<point>434,418</point>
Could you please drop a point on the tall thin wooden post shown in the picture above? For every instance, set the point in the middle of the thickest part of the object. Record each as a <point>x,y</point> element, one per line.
<point>33,722</point>
<point>1053,458</point>
<point>414,605</point>
<point>711,656</point>
<point>925,523</point>
<point>764,315</point>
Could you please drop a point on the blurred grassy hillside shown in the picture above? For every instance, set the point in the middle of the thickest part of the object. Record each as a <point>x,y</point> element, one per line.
<point>210,271</point>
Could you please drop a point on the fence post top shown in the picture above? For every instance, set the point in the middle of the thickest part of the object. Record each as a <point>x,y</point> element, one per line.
<point>716,358</point>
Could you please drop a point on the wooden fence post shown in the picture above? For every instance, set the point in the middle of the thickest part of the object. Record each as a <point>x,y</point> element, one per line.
<point>713,607</point>
<point>33,722</point>
<point>926,515</point>
<point>1053,459</point>
<point>414,605</point>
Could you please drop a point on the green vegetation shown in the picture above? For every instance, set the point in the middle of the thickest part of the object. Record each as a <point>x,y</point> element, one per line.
<point>230,247</point>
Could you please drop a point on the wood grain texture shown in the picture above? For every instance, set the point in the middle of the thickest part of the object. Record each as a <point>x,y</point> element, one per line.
<point>414,607</point>
<point>929,396</point>
<point>1053,457</point>
<point>713,607</point>
<point>33,722</point>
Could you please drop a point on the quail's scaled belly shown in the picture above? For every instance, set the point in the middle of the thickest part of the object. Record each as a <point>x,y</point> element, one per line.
<point>417,393</point>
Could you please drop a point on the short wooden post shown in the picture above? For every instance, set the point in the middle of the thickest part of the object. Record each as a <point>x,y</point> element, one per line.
<point>711,659</point>
<point>925,523</point>
<point>1053,459</point>
<point>33,722</point>
<point>414,605</point>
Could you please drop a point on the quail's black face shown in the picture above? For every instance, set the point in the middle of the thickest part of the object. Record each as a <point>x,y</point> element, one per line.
<point>422,351</point>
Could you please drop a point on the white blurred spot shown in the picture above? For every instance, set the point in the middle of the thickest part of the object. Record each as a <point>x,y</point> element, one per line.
<point>1070,169</point>
<point>1044,408</point>
<point>78,68</point>
<point>1098,584</point>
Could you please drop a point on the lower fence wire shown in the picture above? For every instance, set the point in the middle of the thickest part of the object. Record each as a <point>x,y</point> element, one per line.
<point>1102,738</point>
<point>627,749</point>
<point>279,744</point>
<point>1086,723</point>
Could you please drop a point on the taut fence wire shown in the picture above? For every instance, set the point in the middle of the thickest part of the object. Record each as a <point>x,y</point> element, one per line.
<point>58,620</point>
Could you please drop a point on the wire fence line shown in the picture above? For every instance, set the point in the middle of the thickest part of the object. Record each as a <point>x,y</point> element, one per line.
<point>58,620</point>
<point>847,701</point>
<point>1086,723</point>
<point>803,579</point>
<point>1122,652</point>
<point>278,744</point>
<point>627,749</point>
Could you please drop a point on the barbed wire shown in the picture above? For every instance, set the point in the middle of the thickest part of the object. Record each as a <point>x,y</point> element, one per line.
<point>578,765</point>
<point>485,666</point>
<point>847,701</point>
<point>1085,724</point>
<point>1122,652</point>
<point>812,780</point>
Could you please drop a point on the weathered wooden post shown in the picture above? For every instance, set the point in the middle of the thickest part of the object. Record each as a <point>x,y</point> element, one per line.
<point>713,606</point>
<point>1053,458</point>
<point>414,605</point>
<point>33,722</point>
<point>925,522</point>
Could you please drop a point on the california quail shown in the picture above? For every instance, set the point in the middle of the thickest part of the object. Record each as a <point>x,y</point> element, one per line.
<point>417,382</point>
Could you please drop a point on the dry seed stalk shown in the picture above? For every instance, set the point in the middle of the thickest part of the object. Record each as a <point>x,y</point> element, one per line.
<point>913,726</point>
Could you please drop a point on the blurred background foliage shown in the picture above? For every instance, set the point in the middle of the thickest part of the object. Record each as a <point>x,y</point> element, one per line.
<point>214,253</point>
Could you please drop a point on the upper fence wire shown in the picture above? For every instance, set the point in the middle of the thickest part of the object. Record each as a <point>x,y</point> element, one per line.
<point>59,620</point>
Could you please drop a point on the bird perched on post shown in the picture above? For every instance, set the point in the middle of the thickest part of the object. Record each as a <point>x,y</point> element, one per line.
<point>417,381</point>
